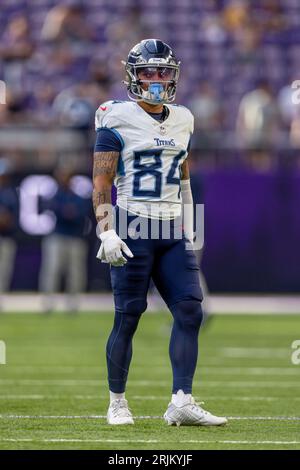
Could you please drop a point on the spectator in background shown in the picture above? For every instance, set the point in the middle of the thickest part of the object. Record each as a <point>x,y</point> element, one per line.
<point>290,115</point>
<point>100,75</point>
<point>16,48</point>
<point>212,30</point>
<point>258,123</point>
<point>15,110</point>
<point>247,42</point>
<point>244,28</point>
<point>64,252</point>
<point>206,107</point>
<point>286,106</point>
<point>4,113</point>
<point>58,66</point>
<point>67,24</point>
<point>236,14</point>
<point>129,30</point>
<point>122,34</point>
<point>271,16</point>
<point>42,104</point>
<point>8,227</point>
<point>75,106</point>
<point>68,36</point>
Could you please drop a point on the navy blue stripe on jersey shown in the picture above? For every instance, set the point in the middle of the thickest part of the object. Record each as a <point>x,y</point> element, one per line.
<point>108,140</point>
<point>121,167</point>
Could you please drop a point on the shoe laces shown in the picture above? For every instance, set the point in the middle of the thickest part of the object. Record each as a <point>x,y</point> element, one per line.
<point>120,408</point>
<point>196,406</point>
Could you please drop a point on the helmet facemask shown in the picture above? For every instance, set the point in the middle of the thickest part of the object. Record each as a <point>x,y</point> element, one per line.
<point>154,82</point>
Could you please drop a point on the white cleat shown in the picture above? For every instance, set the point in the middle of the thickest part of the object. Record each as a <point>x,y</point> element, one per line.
<point>191,414</point>
<point>119,413</point>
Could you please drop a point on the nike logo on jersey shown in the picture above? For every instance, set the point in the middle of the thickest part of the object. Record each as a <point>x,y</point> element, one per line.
<point>104,108</point>
<point>160,142</point>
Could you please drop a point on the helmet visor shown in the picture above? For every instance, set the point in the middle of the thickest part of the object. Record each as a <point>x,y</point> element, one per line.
<point>160,73</point>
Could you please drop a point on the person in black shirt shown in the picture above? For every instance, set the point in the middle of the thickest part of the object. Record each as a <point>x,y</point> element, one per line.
<point>64,252</point>
<point>8,226</point>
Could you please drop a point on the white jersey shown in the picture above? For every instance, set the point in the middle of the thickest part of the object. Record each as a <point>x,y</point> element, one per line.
<point>148,175</point>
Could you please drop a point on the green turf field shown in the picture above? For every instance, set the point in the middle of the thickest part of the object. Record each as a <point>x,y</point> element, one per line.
<point>53,392</point>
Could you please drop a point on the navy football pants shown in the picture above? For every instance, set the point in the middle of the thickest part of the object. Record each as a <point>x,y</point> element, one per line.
<point>175,273</point>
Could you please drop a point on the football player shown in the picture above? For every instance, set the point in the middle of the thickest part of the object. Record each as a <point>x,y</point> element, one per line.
<point>142,147</point>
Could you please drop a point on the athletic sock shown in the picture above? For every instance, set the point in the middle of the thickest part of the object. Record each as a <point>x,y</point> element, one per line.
<point>180,398</point>
<point>116,396</point>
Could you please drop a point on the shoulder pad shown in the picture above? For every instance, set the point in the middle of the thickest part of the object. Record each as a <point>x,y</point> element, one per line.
<point>185,115</point>
<point>190,117</point>
<point>108,113</point>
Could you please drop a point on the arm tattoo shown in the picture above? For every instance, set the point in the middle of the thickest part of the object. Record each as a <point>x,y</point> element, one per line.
<point>101,197</point>
<point>105,163</point>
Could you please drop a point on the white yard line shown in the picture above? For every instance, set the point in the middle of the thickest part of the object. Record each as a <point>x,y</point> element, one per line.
<point>147,383</point>
<point>207,370</point>
<point>233,418</point>
<point>254,351</point>
<point>138,397</point>
<point>148,441</point>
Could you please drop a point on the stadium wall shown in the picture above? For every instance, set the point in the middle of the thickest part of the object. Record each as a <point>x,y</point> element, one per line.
<point>252,227</point>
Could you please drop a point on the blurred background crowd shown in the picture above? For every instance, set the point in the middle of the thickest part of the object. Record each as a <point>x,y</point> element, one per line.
<point>60,60</point>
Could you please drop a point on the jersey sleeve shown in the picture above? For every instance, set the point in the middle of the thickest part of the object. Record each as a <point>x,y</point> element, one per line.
<point>108,140</point>
<point>110,117</point>
<point>102,118</point>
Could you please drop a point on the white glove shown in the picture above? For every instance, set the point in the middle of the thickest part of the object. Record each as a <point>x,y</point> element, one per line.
<point>110,249</point>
